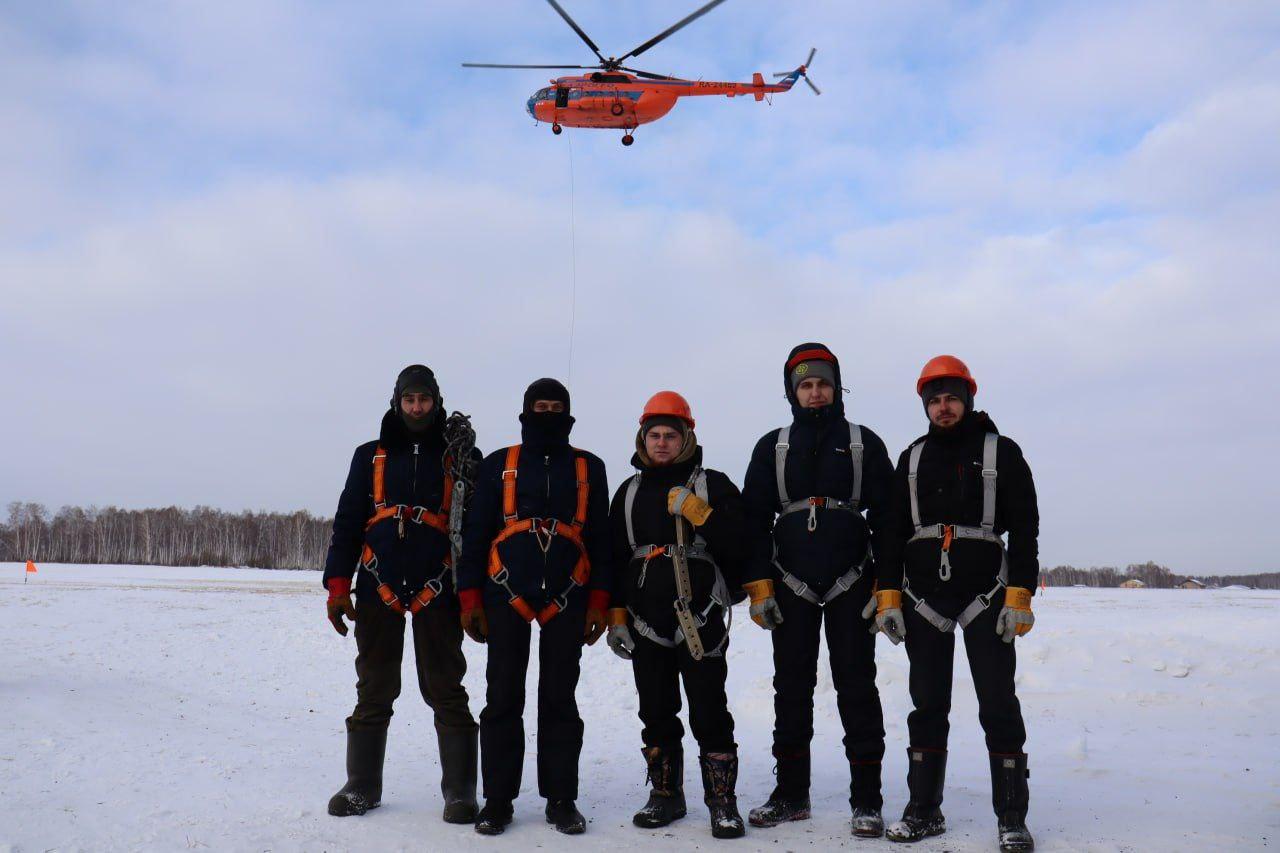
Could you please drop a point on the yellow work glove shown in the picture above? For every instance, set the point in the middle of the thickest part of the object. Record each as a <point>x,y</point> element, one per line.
<point>1015,617</point>
<point>889,618</point>
<point>681,501</point>
<point>764,606</point>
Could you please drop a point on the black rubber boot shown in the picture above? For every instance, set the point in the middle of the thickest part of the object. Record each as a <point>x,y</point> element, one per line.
<point>790,798</point>
<point>494,818</point>
<point>926,774</point>
<point>719,783</point>
<point>363,791</point>
<point>1010,798</point>
<point>458,751</point>
<point>666,797</point>
<point>865,799</point>
<point>566,817</point>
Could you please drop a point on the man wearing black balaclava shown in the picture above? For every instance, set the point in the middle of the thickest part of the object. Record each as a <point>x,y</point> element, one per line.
<point>535,549</point>
<point>391,527</point>
<point>946,568</point>
<point>806,490</point>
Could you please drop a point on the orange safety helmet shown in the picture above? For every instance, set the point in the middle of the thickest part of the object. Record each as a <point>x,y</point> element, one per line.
<point>945,367</point>
<point>670,404</point>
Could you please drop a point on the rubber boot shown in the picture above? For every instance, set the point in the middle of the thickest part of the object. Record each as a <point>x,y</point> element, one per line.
<point>719,783</point>
<point>566,817</point>
<point>458,750</point>
<point>494,817</point>
<point>790,798</point>
<point>666,798</point>
<point>926,774</point>
<point>366,748</point>
<point>1010,798</point>
<point>865,799</point>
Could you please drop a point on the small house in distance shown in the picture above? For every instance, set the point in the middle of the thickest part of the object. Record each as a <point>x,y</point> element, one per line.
<point>1133,583</point>
<point>1190,583</point>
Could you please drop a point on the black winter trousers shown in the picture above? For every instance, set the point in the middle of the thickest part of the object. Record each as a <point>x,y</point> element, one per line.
<point>991,661</point>
<point>658,671</point>
<point>502,720</point>
<point>437,647</point>
<point>852,651</point>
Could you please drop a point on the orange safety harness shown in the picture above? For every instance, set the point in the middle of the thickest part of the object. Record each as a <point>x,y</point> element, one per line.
<point>543,529</point>
<point>401,513</point>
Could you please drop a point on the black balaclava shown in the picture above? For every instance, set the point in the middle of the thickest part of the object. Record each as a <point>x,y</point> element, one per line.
<point>790,381</point>
<point>948,385</point>
<point>545,430</point>
<point>417,378</point>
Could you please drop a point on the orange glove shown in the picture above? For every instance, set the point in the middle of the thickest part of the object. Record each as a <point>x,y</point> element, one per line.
<point>681,501</point>
<point>764,606</point>
<point>597,622</point>
<point>339,604</point>
<point>1015,617</point>
<point>474,622</point>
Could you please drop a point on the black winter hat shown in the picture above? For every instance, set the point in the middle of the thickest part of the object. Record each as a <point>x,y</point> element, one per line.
<point>415,377</point>
<point>807,353</point>
<point>947,385</point>
<point>545,389</point>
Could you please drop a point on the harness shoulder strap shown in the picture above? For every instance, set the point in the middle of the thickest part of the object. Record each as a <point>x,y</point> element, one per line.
<point>628,504</point>
<point>856,456</point>
<point>913,472</point>
<point>989,446</point>
<point>780,463</point>
<point>509,484</point>
<point>584,490</point>
<point>379,478</point>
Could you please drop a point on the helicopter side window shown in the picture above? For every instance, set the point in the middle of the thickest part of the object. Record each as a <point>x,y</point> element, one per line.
<point>562,97</point>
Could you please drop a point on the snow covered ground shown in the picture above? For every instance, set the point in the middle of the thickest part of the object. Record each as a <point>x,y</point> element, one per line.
<point>170,709</point>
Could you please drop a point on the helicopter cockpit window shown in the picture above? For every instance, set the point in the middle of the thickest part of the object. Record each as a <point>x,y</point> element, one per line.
<point>543,94</point>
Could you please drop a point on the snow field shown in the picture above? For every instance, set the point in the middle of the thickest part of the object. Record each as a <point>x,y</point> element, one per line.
<point>153,708</point>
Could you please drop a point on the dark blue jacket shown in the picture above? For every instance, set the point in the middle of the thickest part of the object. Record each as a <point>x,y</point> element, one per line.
<point>414,475</point>
<point>546,487</point>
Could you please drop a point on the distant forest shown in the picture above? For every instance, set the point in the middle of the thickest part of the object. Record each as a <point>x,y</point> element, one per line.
<point>270,540</point>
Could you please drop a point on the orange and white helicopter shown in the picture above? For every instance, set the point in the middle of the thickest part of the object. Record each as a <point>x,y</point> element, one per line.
<point>622,98</point>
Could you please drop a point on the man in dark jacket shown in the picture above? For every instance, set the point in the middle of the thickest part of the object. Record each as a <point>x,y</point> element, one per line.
<point>957,490</point>
<point>805,491</point>
<point>536,547</point>
<point>392,524</point>
<point>678,530</point>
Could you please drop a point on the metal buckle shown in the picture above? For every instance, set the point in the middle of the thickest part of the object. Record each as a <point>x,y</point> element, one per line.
<point>501,577</point>
<point>435,586</point>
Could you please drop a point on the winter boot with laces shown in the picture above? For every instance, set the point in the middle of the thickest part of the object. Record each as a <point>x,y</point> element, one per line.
<point>926,773</point>
<point>363,791</point>
<point>666,797</point>
<point>865,799</point>
<point>790,798</point>
<point>1010,798</point>
<point>458,751</point>
<point>719,780</point>
<point>495,817</point>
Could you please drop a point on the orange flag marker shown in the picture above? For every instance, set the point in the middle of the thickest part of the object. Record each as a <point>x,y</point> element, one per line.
<point>31,568</point>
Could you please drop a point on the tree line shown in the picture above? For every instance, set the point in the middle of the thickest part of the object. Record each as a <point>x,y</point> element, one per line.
<point>204,536</point>
<point>170,536</point>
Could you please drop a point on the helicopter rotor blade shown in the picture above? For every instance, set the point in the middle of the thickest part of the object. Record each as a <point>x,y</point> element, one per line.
<point>815,89</point>
<point>577,29</point>
<point>649,74</point>
<point>809,61</point>
<point>671,29</point>
<point>497,65</point>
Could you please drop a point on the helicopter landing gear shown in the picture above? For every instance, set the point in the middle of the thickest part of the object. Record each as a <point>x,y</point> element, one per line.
<point>557,129</point>
<point>627,139</point>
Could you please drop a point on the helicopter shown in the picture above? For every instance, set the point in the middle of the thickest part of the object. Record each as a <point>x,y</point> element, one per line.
<point>615,96</point>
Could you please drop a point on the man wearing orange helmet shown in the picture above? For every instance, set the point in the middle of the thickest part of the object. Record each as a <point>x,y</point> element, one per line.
<point>678,531</point>
<point>806,490</point>
<point>535,548</point>
<point>957,490</point>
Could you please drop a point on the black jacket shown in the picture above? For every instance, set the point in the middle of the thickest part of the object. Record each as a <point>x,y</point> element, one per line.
<point>724,532</point>
<point>818,465</point>
<point>546,487</point>
<point>414,475</point>
<point>950,492</point>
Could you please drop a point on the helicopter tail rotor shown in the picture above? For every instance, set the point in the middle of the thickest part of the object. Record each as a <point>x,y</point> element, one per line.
<point>800,73</point>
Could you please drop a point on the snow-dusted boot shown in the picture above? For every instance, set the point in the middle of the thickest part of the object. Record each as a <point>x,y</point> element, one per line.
<point>565,816</point>
<point>666,797</point>
<point>719,781</point>
<point>790,798</point>
<point>458,750</point>
<point>363,791</point>
<point>926,773</point>
<point>865,799</point>
<point>1010,798</point>
<point>494,817</point>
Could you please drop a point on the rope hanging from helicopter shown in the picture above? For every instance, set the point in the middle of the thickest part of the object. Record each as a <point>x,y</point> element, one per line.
<point>573,261</point>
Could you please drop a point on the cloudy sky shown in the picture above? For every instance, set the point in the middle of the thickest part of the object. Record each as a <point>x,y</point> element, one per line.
<point>224,228</point>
